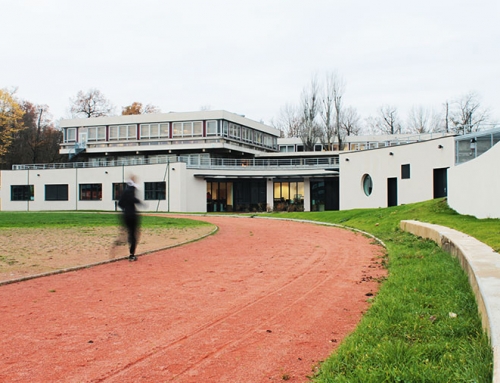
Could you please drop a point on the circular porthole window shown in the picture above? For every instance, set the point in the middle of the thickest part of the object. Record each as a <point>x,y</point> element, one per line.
<point>367,184</point>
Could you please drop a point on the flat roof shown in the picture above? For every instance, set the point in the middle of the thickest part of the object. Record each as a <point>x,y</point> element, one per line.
<point>169,117</point>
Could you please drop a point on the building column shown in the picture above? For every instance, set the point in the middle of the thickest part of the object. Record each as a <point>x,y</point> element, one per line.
<point>270,193</point>
<point>307,194</point>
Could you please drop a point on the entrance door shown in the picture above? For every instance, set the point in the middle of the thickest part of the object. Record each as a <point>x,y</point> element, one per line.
<point>392,192</point>
<point>440,182</point>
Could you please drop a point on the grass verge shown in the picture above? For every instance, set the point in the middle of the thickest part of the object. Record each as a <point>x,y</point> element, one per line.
<point>423,325</point>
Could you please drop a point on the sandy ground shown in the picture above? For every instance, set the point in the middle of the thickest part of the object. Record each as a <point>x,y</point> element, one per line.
<point>25,252</point>
<point>259,301</point>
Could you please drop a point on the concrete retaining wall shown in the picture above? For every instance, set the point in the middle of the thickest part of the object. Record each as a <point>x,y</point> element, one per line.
<point>482,265</point>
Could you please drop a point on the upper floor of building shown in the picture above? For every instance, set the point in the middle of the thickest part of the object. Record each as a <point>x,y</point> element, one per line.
<point>167,132</point>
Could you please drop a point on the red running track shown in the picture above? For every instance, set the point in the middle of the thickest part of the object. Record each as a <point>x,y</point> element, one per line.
<point>261,300</point>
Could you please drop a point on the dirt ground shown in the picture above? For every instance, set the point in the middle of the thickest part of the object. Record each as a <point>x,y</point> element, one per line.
<point>259,301</point>
<point>25,252</point>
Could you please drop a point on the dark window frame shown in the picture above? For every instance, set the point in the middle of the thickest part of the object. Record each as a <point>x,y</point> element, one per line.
<point>405,171</point>
<point>90,192</point>
<point>118,188</point>
<point>56,192</point>
<point>22,192</point>
<point>154,191</point>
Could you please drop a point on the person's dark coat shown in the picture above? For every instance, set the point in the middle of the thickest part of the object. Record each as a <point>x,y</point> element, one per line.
<point>128,200</point>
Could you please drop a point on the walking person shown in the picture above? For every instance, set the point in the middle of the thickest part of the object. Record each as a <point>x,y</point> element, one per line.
<point>131,219</point>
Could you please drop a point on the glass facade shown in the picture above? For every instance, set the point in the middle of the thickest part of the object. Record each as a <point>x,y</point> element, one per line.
<point>288,196</point>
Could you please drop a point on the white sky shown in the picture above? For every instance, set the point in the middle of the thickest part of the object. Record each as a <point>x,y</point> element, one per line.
<point>251,57</point>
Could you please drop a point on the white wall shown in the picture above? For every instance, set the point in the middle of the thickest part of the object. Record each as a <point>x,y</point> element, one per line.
<point>423,158</point>
<point>475,186</point>
<point>177,189</point>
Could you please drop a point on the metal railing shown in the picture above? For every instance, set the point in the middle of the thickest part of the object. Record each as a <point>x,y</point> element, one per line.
<point>196,162</point>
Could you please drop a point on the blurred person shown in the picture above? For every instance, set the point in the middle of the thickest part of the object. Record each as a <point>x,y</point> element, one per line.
<point>130,216</point>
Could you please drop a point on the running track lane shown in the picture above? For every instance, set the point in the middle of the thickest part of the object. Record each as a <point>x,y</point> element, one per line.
<point>259,301</point>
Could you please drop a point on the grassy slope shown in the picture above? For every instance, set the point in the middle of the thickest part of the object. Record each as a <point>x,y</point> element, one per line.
<point>408,334</point>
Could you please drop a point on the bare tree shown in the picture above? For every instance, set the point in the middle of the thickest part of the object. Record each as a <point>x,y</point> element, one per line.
<point>151,109</point>
<point>90,104</point>
<point>422,120</point>
<point>309,131</point>
<point>350,121</point>
<point>289,121</point>
<point>389,120</point>
<point>467,114</point>
<point>331,111</point>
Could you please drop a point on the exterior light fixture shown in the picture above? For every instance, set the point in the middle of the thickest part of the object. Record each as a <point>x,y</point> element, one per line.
<point>473,143</point>
<point>391,153</point>
<point>347,159</point>
<point>440,146</point>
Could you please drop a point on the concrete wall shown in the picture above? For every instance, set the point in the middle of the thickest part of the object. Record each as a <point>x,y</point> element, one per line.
<point>475,186</point>
<point>423,158</point>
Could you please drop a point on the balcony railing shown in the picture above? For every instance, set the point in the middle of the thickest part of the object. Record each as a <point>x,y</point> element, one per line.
<point>196,162</point>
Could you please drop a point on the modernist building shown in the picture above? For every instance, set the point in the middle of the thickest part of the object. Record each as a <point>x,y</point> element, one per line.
<point>219,161</point>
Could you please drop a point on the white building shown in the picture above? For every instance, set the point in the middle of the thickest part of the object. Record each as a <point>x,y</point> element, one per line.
<point>220,161</point>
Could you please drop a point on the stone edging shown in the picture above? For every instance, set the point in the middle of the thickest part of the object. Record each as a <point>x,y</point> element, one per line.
<point>482,266</point>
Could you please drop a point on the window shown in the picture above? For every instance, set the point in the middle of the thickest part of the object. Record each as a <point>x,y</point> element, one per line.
<point>123,132</point>
<point>246,134</point>
<point>90,192</point>
<point>22,192</point>
<point>197,128</point>
<point>118,189</point>
<point>70,135</point>
<point>154,190</point>
<point>211,128</point>
<point>56,192</point>
<point>154,130</point>
<point>234,130</point>
<point>257,138</point>
<point>96,133</point>
<point>287,148</point>
<point>268,141</point>
<point>187,129</point>
<point>367,184</point>
<point>288,195</point>
<point>288,191</point>
<point>405,171</point>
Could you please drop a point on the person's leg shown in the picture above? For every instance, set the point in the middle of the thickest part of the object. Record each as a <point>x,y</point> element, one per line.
<point>132,236</point>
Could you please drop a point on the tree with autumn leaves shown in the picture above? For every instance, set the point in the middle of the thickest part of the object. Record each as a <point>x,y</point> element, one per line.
<point>27,134</point>
<point>11,121</point>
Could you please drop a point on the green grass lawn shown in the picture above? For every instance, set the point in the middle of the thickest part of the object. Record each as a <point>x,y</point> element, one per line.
<point>410,333</point>
<point>85,219</point>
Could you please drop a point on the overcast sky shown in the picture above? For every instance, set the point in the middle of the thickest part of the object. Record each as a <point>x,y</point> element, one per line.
<point>251,57</point>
